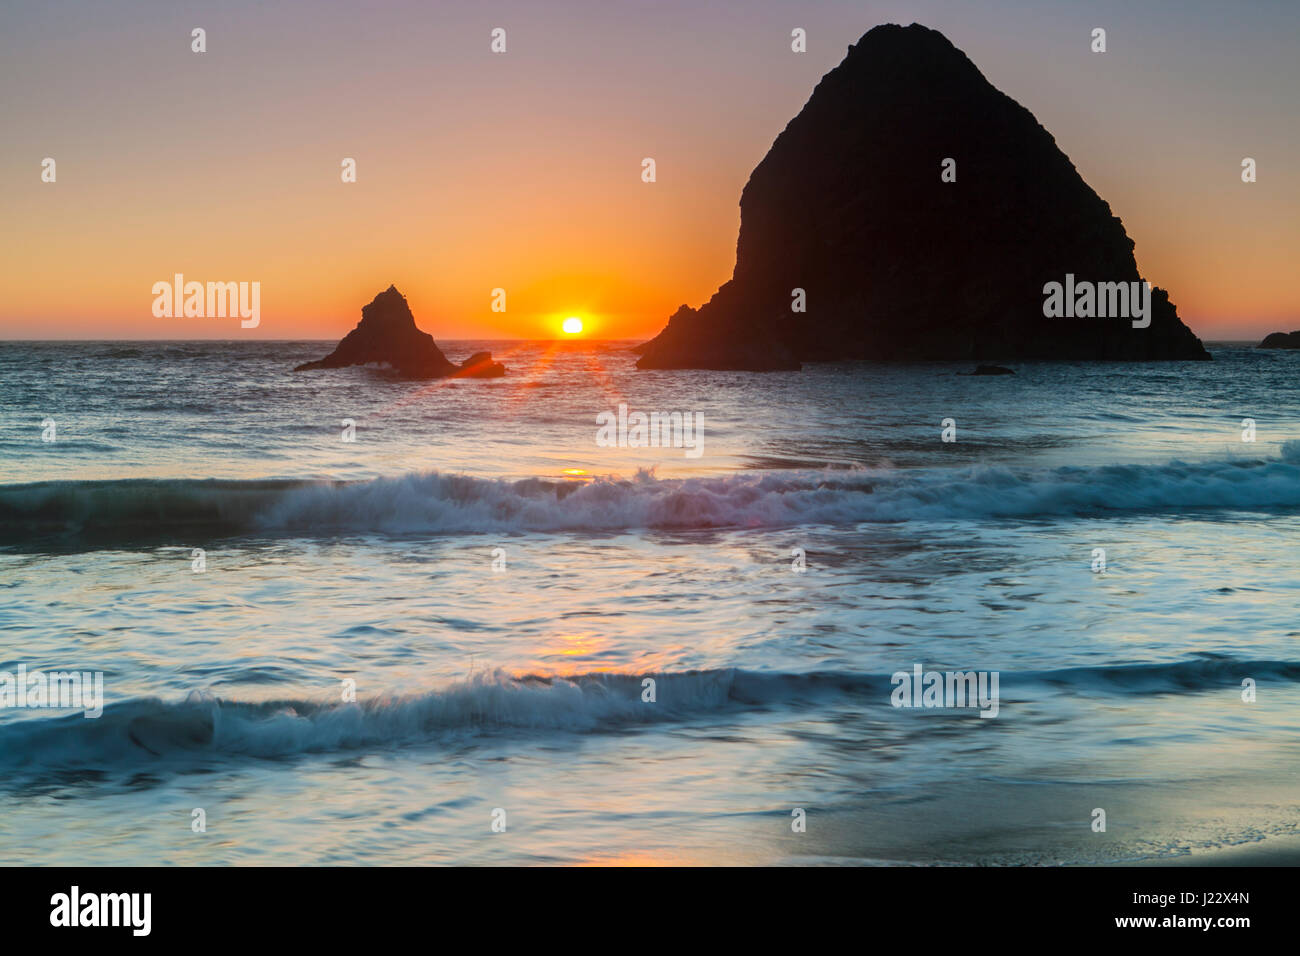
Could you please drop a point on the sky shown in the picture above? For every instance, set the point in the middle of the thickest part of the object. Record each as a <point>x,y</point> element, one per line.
<point>522,170</point>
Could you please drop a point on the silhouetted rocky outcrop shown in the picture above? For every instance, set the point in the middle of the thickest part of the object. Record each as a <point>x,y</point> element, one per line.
<point>1281,340</point>
<point>480,365</point>
<point>387,335</point>
<point>698,341</point>
<point>992,370</point>
<point>894,262</point>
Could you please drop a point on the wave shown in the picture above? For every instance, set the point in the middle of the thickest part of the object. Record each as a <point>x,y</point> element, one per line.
<point>200,728</point>
<point>432,502</point>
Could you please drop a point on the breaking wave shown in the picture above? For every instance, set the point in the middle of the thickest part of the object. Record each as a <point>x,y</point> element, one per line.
<point>432,502</point>
<point>149,731</point>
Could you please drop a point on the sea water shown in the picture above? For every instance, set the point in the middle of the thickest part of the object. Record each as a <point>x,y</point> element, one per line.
<point>475,634</point>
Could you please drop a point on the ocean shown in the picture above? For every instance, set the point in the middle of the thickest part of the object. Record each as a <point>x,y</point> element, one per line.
<point>476,635</point>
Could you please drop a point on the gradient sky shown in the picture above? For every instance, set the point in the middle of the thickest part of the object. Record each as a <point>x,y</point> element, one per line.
<point>522,170</point>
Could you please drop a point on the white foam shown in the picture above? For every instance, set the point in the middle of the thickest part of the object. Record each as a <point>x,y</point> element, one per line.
<point>432,502</point>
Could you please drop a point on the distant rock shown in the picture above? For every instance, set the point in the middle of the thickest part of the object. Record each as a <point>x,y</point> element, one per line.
<point>387,335</point>
<point>480,365</point>
<point>897,264</point>
<point>992,370</point>
<point>1281,340</point>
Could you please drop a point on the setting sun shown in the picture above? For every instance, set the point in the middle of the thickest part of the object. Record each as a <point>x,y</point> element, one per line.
<point>572,325</point>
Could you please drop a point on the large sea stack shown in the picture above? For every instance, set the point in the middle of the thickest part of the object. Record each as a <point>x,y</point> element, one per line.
<point>387,335</point>
<point>897,264</point>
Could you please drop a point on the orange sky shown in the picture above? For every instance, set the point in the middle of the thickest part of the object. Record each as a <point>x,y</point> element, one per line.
<point>522,171</point>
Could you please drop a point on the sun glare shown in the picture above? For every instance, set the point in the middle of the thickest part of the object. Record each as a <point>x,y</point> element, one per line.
<point>572,325</point>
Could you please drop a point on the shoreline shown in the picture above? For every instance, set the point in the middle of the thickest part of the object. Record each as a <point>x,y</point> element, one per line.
<point>1270,851</point>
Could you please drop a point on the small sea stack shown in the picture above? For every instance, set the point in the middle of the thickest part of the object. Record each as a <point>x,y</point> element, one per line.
<point>387,335</point>
<point>1281,340</point>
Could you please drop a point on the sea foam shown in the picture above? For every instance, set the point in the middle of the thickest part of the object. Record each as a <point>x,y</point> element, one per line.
<point>436,503</point>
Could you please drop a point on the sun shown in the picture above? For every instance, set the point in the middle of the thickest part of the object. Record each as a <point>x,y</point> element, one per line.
<point>572,325</point>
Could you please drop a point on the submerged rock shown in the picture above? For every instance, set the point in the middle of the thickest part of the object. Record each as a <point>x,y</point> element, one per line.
<point>849,206</point>
<point>1281,340</point>
<point>387,335</point>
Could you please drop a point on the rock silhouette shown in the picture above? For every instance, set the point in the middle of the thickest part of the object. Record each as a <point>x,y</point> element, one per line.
<point>897,264</point>
<point>480,365</point>
<point>387,335</point>
<point>1281,340</point>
